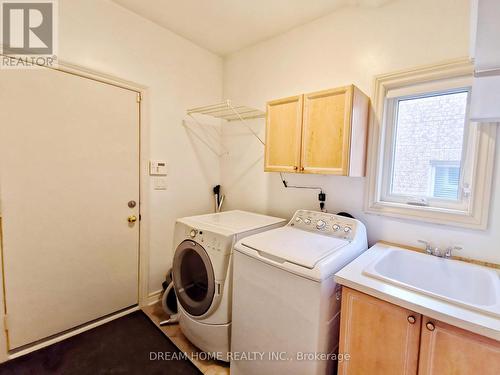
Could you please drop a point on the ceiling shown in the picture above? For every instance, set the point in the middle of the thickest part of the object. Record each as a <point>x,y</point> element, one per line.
<point>225,26</point>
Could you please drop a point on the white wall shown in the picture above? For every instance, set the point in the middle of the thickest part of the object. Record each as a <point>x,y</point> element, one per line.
<point>349,46</point>
<point>100,35</point>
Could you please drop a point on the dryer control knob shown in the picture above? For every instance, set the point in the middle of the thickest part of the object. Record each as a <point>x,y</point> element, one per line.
<point>320,224</point>
<point>307,221</point>
<point>336,227</point>
<point>347,229</point>
<point>298,219</point>
<point>193,233</point>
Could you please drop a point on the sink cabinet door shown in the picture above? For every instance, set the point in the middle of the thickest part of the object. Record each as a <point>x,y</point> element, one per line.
<point>448,350</point>
<point>381,338</point>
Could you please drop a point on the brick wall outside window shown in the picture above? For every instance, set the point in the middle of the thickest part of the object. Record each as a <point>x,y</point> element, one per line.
<point>428,129</point>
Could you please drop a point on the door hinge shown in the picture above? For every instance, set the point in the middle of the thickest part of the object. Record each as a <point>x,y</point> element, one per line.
<point>139,97</point>
<point>6,322</point>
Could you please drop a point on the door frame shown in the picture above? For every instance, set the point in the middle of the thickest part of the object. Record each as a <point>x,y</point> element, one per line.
<point>144,297</point>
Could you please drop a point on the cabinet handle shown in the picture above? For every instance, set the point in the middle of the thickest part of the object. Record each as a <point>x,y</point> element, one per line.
<point>302,169</point>
<point>430,326</point>
<point>295,167</point>
<point>411,319</point>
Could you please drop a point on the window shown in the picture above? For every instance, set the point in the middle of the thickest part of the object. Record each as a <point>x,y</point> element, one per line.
<point>427,160</point>
<point>425,127</point>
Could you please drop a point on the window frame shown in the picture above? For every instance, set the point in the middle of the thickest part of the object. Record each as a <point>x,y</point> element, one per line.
<point>390,128</point>
<point>476,177</point>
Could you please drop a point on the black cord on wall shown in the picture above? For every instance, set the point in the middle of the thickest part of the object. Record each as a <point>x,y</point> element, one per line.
<point>321,195</point>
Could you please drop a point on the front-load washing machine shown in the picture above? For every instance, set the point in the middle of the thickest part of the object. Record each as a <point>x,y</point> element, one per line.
<point>202,273</point>
<point>286,304</point>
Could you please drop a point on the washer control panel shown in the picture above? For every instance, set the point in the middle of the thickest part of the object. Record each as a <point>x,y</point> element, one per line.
<point>207,239</point>
<point>322,222</point>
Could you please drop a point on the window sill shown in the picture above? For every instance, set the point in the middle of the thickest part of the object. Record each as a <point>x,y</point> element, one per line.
<point>430,215</point>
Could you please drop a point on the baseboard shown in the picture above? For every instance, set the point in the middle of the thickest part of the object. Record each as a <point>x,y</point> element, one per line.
<point>152,298</point>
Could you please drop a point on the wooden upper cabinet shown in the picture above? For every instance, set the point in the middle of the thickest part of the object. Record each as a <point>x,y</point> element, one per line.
<point>283,134</point>
<point>381,338</point>
<point>333,134</point>
<point>446,349</point>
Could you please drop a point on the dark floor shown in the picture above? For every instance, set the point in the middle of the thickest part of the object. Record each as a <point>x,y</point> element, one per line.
<point>123,346</point>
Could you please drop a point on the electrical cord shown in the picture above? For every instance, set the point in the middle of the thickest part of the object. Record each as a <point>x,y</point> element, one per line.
<point>321,195</point>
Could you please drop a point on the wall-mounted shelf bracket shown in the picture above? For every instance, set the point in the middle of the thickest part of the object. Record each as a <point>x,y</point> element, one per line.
<point>229,112</point>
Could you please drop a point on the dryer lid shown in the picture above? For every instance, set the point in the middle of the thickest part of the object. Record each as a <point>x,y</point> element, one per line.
<point>293,245</point>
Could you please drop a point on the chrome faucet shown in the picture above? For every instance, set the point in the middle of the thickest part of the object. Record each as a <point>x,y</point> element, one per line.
<point>437,251</point>
<point>428,247</point>
<point>450,249</point>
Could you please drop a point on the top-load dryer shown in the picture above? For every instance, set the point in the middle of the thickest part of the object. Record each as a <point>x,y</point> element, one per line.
<point>202,273</point>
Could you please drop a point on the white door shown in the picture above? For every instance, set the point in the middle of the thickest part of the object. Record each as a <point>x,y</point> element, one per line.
<point>69,165</point>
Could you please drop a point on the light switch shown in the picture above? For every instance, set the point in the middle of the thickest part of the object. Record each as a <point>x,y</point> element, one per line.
<point>160,183</point>
<point>158,168</point>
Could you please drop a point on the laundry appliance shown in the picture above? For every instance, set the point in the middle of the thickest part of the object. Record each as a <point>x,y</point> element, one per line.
<point>202,273</point>
<point>286,304</point>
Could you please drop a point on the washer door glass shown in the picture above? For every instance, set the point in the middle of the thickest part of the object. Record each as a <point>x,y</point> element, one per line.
<point>193,276</point>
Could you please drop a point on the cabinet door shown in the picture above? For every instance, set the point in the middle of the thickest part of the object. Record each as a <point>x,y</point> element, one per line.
<point>283,135</point>
<point>326,131</point>
<point>445,349</point>
<point>380,338</point>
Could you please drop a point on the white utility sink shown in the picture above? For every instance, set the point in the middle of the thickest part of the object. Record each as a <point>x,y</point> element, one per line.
<point>457,282</point>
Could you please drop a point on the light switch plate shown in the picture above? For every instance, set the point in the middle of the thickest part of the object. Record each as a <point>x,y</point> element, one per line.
<point>157,168</point>
<point>160,183</point>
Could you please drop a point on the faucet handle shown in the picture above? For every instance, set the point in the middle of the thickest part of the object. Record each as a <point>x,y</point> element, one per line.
<point>428,247</point>
<point>450,249</point>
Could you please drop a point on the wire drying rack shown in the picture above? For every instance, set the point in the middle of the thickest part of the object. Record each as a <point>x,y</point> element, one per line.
<point>229,112</point>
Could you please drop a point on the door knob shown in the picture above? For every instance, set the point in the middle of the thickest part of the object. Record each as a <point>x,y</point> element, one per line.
<point>430,326</point>
<point>132,219</point>
<point>412,319</point>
